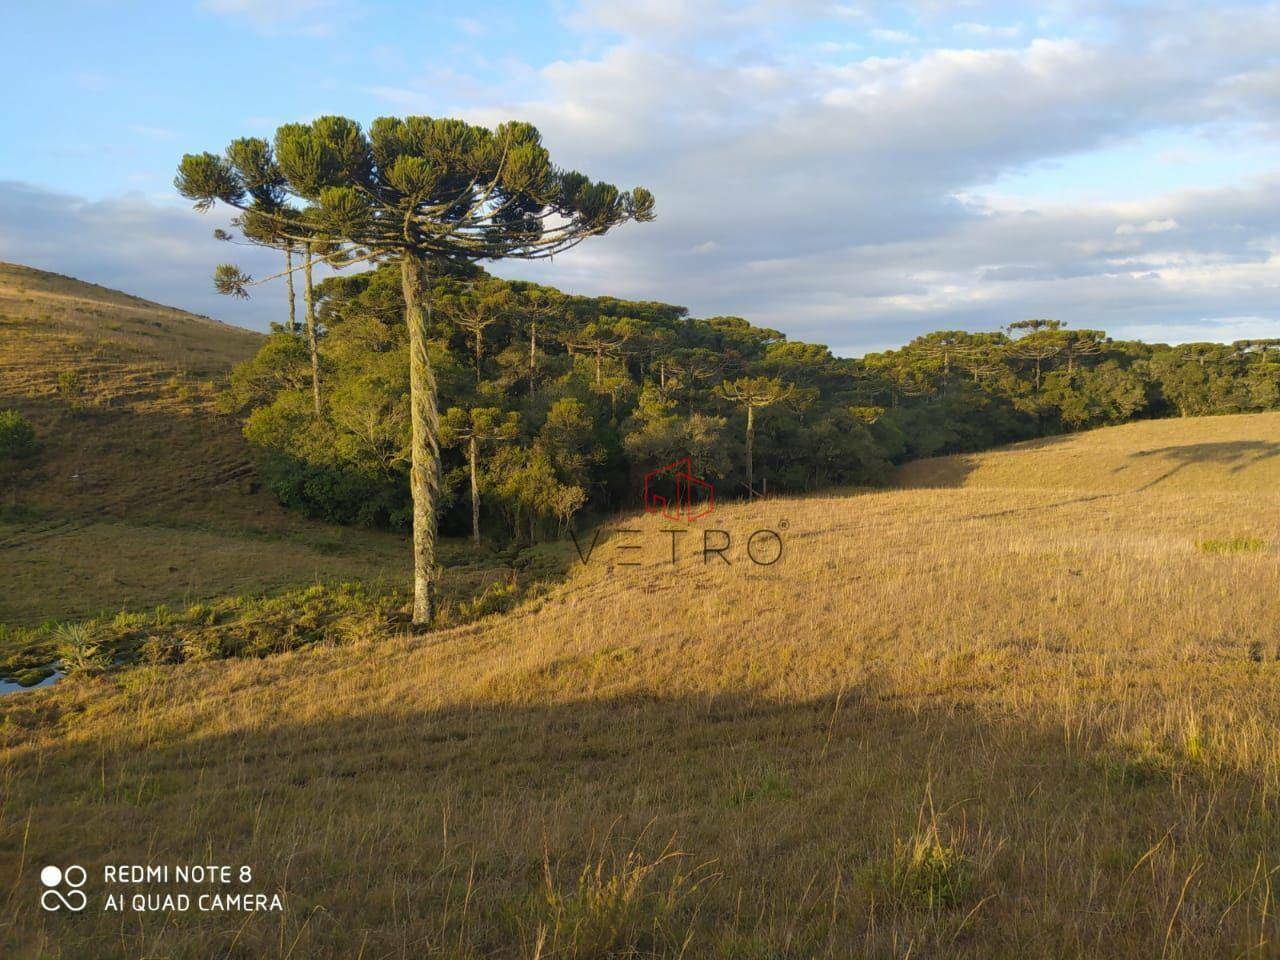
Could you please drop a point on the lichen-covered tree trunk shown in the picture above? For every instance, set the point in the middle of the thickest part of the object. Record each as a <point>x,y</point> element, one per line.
<point>474,455</point>
<point>424,465</point>
<point>312,341</point>
<point>293,300</point>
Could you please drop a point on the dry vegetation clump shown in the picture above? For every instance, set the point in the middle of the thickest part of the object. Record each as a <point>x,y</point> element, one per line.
<point>1020,716</point>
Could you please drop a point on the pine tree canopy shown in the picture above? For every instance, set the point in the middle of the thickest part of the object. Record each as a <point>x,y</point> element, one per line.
<point>441,188</point>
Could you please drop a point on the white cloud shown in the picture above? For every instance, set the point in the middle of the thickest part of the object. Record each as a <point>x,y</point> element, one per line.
<point>893,36</point>
<point>670,19</point>
<point>841,196</point>
<point>1151,226</point>
<point>989,30</point>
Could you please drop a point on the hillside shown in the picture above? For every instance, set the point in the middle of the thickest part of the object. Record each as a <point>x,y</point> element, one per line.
<point>1232,453</point>
<point>1023,707</point>
<point>141,493</point>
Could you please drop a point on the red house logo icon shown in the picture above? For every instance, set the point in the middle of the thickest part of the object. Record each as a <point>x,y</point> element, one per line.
<point>676,493</point>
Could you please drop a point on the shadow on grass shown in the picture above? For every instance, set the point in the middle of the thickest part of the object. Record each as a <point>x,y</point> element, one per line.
<point>952,470</point>
<point>727,826</point>
<point>1237,454</point>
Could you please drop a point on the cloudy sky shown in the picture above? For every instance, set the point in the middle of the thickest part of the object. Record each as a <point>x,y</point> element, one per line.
<point>849,173</point>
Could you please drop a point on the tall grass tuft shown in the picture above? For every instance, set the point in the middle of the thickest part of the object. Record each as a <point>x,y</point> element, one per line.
<point>622,905</point>
<point>924,872</point>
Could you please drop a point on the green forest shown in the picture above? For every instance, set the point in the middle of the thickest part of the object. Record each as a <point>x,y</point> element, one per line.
<point>554,405</point>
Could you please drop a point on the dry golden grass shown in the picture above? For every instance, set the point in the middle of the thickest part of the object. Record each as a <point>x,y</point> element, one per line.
<point>1235,453</point>
<point>141,493</point>
<point>1022,716</point>
<point>82,317</point>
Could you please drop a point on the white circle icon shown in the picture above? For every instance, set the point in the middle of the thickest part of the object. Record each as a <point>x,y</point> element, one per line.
<point>54,899</point>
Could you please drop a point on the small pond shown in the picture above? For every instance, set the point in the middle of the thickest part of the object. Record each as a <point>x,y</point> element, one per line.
<point>32,679</point>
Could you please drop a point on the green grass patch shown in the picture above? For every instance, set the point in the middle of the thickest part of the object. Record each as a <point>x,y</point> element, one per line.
<point>1231,545</point>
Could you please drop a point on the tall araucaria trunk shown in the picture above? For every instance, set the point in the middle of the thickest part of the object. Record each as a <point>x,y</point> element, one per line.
<point>313,343</point>
<point>424,465</point>
<point>533,355</point>
<point>293,300</point>
<point>751,436</point>
<point>473,455</point>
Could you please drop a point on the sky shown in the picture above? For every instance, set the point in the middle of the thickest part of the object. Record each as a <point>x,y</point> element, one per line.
<point>852,174</point>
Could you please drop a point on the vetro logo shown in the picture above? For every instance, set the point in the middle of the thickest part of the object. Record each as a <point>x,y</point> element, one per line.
<point>676,493</point>
<point>53,899</point>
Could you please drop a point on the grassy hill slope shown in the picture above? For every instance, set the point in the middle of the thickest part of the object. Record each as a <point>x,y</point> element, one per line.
<point>1236,453</point>
<point>141,493</point>
<point>1023,708</point>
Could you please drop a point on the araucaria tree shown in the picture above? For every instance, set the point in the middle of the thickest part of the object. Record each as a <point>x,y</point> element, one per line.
<point>475,310</point>
<point>425,193</point>
<point>754,393</point>
<point>471,428</point>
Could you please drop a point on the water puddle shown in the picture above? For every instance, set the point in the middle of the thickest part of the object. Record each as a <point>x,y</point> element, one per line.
<point>33,679</point>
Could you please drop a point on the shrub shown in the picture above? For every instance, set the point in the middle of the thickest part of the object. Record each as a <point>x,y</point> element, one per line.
<point>338,494</point>
<point>17,436</point>
<point>79,650</point>
<point>200,614</point>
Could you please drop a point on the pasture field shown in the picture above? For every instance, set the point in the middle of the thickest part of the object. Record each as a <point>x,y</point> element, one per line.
<point>1022,705</point>
<point>141,494</point>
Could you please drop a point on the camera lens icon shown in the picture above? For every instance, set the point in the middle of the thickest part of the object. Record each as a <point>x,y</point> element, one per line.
<point>54,878</point>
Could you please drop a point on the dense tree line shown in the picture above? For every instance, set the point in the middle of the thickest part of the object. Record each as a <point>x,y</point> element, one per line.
<point>553,403</point>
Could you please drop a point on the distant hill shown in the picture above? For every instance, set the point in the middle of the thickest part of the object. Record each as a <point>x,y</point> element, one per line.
<point>142,493</point>
<point>48,308</point>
